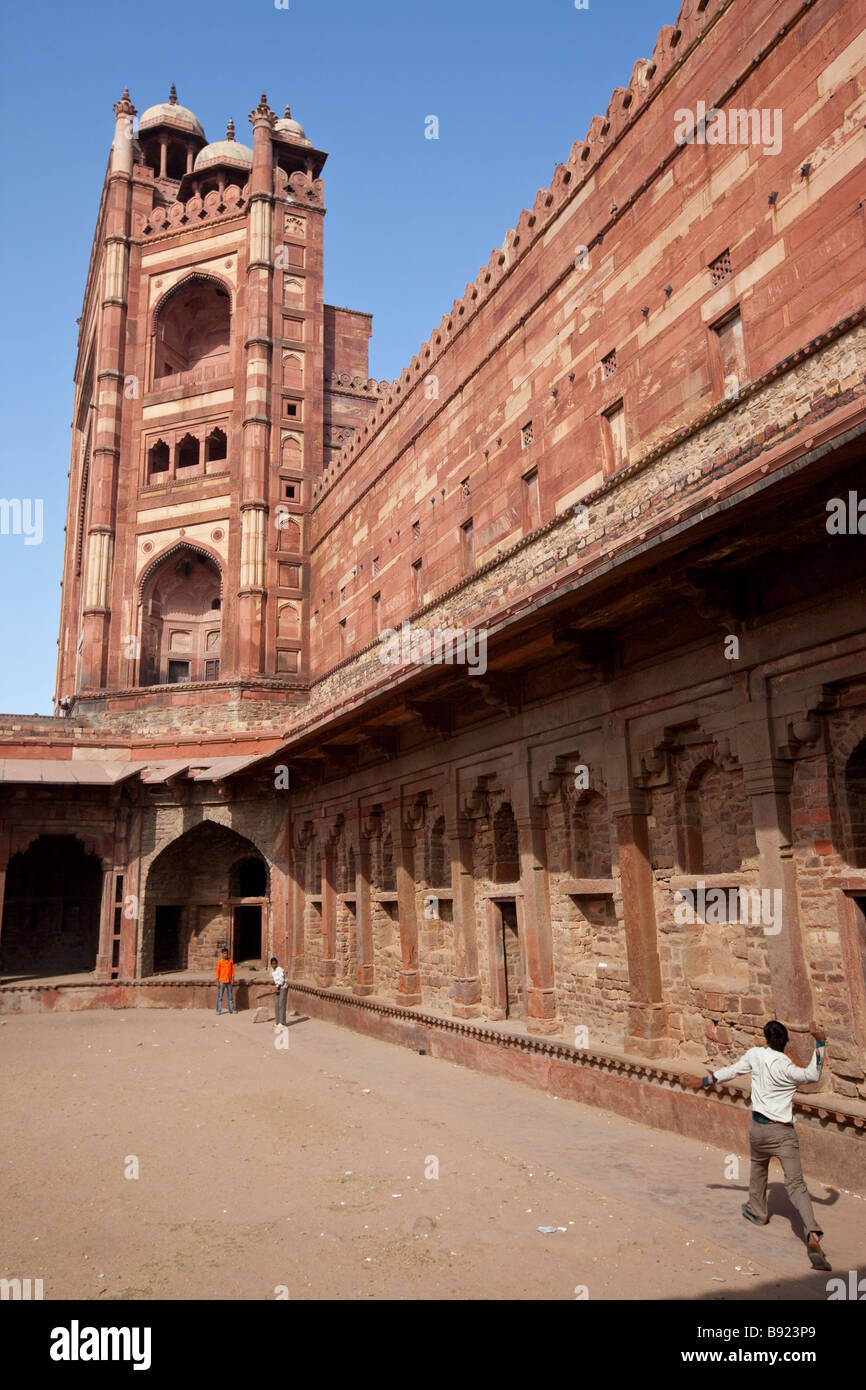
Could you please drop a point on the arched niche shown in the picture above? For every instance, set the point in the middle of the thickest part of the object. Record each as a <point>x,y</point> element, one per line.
<point>192,332</point>
<point>181,619</point>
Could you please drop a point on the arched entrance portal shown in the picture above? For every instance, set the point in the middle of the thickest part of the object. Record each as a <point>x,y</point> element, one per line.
<point>51,908</point>
<point>206,890</point>
<point>181,620</point>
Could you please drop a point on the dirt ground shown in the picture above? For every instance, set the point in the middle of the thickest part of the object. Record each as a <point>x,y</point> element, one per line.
<point>310,1172</point>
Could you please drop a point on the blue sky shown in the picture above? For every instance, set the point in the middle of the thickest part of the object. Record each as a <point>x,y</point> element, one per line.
<point>409,221</point>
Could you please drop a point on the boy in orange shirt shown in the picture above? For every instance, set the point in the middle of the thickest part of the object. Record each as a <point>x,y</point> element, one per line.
<point>225,973</point>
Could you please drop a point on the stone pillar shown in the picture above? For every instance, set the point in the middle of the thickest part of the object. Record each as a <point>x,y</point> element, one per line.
<point>541,1014</point>
<point>467,983</point>
<point>99,548</point>
<point>647,1014</point>
<point>132,909</point>
<point>163,151</point>
<point>278,944</point>
<point>403,839</point>
<point>256,424</point>
<point>768,784</point>
<point>296,910</point>
<point>328,966</point>
<point>363,983</point>
<point>102,969</point>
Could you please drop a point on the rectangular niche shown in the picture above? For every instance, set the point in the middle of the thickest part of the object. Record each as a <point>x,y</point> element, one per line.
<point>287,661</point>
<point>289,576</point>
<point>593,900</point>
<point>596,909</point>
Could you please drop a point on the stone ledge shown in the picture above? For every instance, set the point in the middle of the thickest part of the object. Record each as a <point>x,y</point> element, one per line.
<point>831,1136</point>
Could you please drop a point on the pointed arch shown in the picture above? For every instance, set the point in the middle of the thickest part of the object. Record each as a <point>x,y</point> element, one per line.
<point>180,623</point>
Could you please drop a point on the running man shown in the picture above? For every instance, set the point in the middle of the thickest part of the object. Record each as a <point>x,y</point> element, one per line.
<point>775,1078</point>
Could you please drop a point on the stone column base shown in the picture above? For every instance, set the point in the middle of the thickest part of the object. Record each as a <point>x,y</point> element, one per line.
<point>541,1005</point>
<point>465,1010</point>
<point>467,998</point>
<point>363,981</point>
<point>326,973</point>
<point>544,1025</point>
<point>409,991</point>
<point>646,1034</point>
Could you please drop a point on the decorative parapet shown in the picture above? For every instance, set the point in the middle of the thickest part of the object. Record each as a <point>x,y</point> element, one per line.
<point>180,217</point>
<point>347,384</point>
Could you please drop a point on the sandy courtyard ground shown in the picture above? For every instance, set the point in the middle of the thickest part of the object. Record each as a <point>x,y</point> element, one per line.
<point>312,1170</point>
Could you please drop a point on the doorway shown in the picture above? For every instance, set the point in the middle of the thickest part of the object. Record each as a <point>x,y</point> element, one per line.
<point>51,912</point>
<point>248,933</point>
<point>167,946</point>
<point>508,994</point>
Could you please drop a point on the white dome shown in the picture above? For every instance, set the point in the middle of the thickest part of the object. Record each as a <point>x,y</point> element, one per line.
<point>286,126</point>
<point>171,113</point>
<point>223,152</point>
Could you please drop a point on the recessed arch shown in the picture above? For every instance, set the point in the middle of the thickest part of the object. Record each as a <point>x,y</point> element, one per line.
<point>178,545</point>
<point>192,277</point>
<point>855,805</point>
<point>180,596</point>
<point>190,908</point>
<point>191,330</point>
<point>51,907</point>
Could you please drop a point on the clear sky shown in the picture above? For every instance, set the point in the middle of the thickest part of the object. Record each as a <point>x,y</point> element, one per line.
<point>410,219</point>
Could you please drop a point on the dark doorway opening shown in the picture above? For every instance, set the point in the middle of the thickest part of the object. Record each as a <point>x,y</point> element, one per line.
<point>860,945</point>
<point>51,912</point>
<point>508,996</point>
<point>248,933</point>
<point>249,878</point>
<point>514,1005</point>
<point>167,944</point>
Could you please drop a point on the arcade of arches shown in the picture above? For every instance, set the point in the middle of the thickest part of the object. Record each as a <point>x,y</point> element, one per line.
<point>509,895</point>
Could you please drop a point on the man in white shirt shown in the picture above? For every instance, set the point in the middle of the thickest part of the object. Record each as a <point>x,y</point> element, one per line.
<point>775,1078</point>
<point>278,975</point>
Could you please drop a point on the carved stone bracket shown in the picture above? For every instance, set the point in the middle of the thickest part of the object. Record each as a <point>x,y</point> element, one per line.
<point>417,812</point>
<point>501,692</point>
<point>436,716</point>
<point>803,734</point>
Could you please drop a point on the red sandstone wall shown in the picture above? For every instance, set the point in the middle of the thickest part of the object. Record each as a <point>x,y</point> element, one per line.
<point>531,319</point>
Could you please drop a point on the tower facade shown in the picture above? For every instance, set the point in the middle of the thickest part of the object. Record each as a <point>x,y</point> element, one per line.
<point>203,414</point>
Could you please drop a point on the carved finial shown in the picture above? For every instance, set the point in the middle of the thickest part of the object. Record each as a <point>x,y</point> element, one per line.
<point>288,115</point>
<point>124,107</point>
<point>172,96</point>
<point>230,129</point>
<point>263,110</point>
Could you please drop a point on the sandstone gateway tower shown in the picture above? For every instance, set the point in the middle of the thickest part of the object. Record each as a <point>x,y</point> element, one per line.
<point>629,460</point>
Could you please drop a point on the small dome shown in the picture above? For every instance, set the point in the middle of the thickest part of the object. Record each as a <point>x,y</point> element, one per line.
<point>286,126</point>
<point>228,151</point>
<point>172,114</point>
